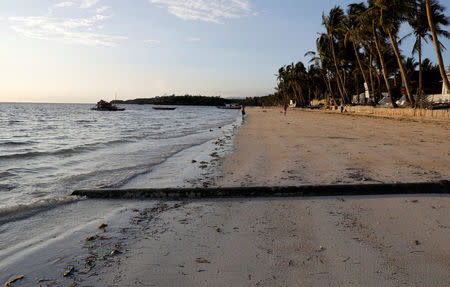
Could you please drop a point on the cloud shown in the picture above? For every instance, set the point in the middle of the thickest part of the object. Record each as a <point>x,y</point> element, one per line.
<point>152,43</point>
<point>102,9</point>
<point>65,30</point>
<point>88,3</point>
<point>206,10</point>
<point>192,40</point>
<point>64,4</point>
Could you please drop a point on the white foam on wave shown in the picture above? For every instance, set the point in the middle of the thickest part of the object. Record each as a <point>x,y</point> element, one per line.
<point>15,212</point>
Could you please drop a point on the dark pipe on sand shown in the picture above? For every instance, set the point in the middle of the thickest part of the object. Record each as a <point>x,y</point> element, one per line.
<point>441,187</point>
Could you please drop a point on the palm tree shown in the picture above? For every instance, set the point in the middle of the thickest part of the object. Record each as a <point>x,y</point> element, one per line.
<point>370,18</point>
<point>333,24</point>
<point>326,60</point>
<point>432,23</point>
<point>320,61</point>
<point>410,65</point>
<point>392,13</point>
<point>355,34</point>
<point>419,23</point>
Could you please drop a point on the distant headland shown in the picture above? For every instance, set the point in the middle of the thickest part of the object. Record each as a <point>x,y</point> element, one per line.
<point>190,100</point>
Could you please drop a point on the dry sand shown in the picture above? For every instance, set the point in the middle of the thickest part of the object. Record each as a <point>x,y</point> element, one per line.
<point>327,148</point>
<point>350,241</point>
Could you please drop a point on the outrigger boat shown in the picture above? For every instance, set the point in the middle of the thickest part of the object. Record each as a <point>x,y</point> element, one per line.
<point>106,106</point>
<point>163,108</point>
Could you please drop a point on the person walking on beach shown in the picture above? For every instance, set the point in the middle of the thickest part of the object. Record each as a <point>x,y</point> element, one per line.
<point>243,111</point>
<point>285,109</point>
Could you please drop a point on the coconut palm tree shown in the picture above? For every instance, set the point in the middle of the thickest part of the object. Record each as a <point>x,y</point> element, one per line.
<point>392,13</point>
<point>326,60</point>
<point>432,24</point>
<point>322,59</point>
<point>421,29</point>
<point>355,33</point>
<point>370,18</point>
<point>410,65</point>
<point>334,24</point>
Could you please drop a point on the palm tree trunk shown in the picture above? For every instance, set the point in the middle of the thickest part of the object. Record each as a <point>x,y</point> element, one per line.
<point>309,95</point>
<point>341,92</point>
<point>299,90</point>
<point>437,46</point>
<point>331,91</point>
<point>388,85</point>
<point>419,48</point>
<point>378,75</point>
<point>328,84</point>
<point>372,83</point>
<point>341,86</point>
<point>400,65</point>
<point>361,68</point>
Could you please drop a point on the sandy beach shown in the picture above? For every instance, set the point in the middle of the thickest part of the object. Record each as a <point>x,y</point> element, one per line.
<point>327,241</point>
<point>308,147</point>
<point>352,241</point>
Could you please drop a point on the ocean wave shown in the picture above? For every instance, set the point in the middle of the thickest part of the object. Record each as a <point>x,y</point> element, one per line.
<point>109,178</point>
<point>6,174</point>
<point>64,152</point>
<point>13,122</point>
<point>6,187</point>
<point>85,121</point>
<point>19,211</point>
<point>16,143</point>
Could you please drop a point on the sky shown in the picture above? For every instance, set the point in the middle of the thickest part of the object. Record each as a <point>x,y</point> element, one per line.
<point>79,51</point>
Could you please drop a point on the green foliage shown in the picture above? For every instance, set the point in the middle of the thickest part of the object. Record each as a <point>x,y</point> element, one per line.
<point>189,100</point>
<point>335,73</point>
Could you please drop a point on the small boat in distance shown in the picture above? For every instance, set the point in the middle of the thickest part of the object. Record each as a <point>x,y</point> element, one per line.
<point>163,108</point>
<point>230,107</point>
<point>106,106</point>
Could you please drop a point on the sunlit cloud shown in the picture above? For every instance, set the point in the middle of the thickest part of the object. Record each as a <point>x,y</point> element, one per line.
<point>206,10</point>
<point>152,43</point>
<point>102,9</point>
<point>65,30</point>
<point>192,40</point>
<point>64,4</point>
<point>88,3</point>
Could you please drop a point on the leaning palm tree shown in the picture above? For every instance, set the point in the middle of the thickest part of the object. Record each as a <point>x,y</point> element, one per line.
<point>432,23</point>
<point>320,61</point>
<point>392,13</point>
<point>370,20</point>
<point>333,24</point>
<point>355,34</point>
<point>421,29</point>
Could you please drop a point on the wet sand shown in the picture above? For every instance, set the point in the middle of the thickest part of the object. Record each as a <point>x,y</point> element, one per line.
<point>328,241</point>
<point>295,242</point>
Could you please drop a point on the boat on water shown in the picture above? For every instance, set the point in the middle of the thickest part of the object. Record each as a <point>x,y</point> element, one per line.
<point>106,106</point>
<point>164,108</point>
<point>230,107</point>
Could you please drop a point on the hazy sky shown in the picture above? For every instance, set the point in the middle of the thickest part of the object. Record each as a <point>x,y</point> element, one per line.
<point>84,50</point>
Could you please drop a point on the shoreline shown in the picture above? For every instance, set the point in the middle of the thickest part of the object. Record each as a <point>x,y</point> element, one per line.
<point>349,240</point>
<point>346,240</point>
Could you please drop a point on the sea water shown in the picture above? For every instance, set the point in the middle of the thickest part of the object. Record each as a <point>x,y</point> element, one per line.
<point>49,150</point>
